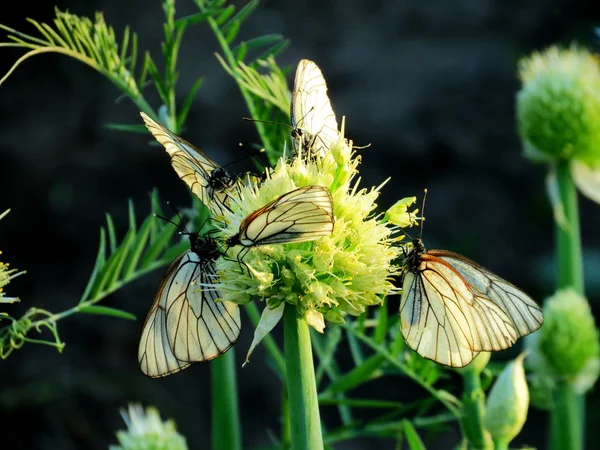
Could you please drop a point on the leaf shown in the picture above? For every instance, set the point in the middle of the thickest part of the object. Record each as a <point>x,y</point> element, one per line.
<point>364,372</point>
<point>268,320</point>
<point>413,439</point>
<point>107,311</point>
<point>558,208</point>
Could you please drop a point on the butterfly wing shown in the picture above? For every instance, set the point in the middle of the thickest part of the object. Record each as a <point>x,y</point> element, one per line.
<point>192,166</point>
<point>313,119</point>
<point>304,214</point>
<point>171,340</point>
<point>448,320</point>
<point>198,327</point>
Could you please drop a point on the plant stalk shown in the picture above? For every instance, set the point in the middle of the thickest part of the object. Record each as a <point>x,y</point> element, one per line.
<point>226,433</point>
<point>305,422</point>
<point>474,411</point>
<point>568,416</point>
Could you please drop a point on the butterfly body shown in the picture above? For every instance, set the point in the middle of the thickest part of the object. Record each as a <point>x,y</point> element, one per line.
<point>452,308</point>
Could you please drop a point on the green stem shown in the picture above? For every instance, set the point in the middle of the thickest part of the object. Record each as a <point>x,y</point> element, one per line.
<point>500,444</point>
<point>300,378</point>
<point>474,411</point>
<point>226,433</point>
<point>571,419</point>
<point>565,429</point>
<point>568,241</point>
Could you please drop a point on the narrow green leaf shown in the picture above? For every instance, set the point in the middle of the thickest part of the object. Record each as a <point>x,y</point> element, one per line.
<point>240,17</point>
<point>110,271</point>
<point>112,235</point>
<point>232,31</point>
<point>368,370</point>
<point>107,311</point>
<point>132,221</point>
<point>240,52</point>
<point>141,129</point>
<point>187,103</point>
<point>137,248</point>
<point>381,328</point>
<point>100,259</point>
<point>355,350</point>
<point>198,17</point>
<point>259,42</point>
<point>271,52</point>
<point>154,74</point>
<point>359,403</point>
<point>226,14</point>
<point>413,439</point>
<point>158,245</point>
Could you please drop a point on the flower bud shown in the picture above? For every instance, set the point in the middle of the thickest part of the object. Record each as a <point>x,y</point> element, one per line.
<point>508,401</point>
<point>558,106</point>
<point>567,347</point>
<point>399,215</point>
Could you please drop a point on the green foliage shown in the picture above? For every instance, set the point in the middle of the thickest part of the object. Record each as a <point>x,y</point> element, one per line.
<point>141,250</point>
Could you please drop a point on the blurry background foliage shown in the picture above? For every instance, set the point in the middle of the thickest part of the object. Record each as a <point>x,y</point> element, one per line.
<point>431,87</point>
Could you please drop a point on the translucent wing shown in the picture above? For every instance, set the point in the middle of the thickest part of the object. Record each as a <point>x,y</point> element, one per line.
<point>304,214</point>
<point>451,309</point>
<point>204,177</point>
<point>313,119</point>
<point>185,323</point>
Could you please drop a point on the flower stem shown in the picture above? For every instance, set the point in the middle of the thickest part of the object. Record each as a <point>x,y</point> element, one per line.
<point>567,418</point>
<point>500,444</point>
<point>305,422</point>
<point>474,410</point>
<point>565,430</point>
<point>226,434</point>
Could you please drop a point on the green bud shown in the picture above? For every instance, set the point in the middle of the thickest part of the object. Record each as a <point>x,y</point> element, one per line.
<point>399,214</point>
<point>567,344</point>
<point>146,431</point>
<point>558,106</point>
<point>508,401</point>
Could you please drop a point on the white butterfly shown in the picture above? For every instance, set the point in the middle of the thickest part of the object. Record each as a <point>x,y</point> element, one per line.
<point>315,128</point>
<point>207,180</point>
<point>304,214</point>
<point>186,323</point>
<point>452,308</point>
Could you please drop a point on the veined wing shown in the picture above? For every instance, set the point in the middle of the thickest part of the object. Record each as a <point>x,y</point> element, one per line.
<point>524,313</point>
<point>313,119</point>
<point>445,319</point>
<point>198,327</point>
<point>170,339</point>
<point>304,214</point>
<point>192,166</point>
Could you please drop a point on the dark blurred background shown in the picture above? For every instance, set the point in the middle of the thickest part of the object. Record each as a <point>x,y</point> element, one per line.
<point>430,84</point>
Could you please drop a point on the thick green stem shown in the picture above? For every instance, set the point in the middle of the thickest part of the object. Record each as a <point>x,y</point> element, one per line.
<point>565,429</point>
<point>474,411</point>
<point>568,416</point>
<point>301,386</point>
<point>500,444</point>
<point>226,434</point>
<point>568,241</point>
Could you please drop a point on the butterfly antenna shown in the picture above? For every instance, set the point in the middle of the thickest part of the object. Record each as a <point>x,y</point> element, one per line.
<point>176,211</point>
<point>167,220</point>
<point>249,119</point>
<point>423,213</point>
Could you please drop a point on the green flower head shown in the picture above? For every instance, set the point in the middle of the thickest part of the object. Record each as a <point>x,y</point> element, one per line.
<point>327,278</point>
<point>147,431</point>
<point>566,348</point>
<point>558,106</point>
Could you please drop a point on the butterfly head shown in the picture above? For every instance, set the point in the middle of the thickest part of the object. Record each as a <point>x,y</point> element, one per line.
<point>220,180</point>
<point>205,246</point>
<point>413,258</point>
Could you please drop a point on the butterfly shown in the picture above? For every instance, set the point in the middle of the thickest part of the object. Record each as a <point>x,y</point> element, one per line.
<point>315,128</point>
<point>207,180</point>
<point>304,214</point>
<point>186,324</point>
<point>452,308</point>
